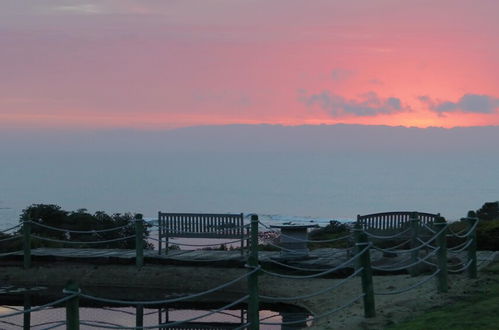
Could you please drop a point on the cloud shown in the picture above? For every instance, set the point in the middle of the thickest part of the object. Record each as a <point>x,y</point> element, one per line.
<point>341,74</point>
<point>368,105</point>
<point>472,103</point>
<point>375,81</point>
<point>80,9</point>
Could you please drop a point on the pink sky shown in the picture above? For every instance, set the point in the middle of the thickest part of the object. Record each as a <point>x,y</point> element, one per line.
<point>154,64</point>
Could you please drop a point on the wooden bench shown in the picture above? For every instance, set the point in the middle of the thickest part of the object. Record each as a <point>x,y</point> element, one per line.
<point>201,225</point>
<point>390,223</point>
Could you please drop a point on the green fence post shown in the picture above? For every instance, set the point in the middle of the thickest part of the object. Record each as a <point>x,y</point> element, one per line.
<point>440,225</point>
<point>27,243</point>
<point>139,316</point>
<point>472,269</point>
<point>139,237</point>
<point>253,308</point>
<point>27,315</point>
<point>414,223</point>
<point>72,307</point>
<point>367,275</point>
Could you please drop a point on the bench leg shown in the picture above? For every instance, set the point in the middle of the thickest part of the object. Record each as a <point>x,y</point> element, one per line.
<point>159,244</point>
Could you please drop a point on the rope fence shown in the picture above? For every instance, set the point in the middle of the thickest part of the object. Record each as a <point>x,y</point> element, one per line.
<point>423,251</point>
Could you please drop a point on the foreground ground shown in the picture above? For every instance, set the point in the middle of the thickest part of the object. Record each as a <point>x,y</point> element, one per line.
<point>469,297</point>
<point>477,310</point>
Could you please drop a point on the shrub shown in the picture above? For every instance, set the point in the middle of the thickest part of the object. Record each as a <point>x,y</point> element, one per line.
<point>334,229</point>
<point>489,211</point>
<point>81,220</point>
<point>488,235</point>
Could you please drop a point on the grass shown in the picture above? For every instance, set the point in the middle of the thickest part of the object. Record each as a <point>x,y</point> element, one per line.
<point>479,311</point>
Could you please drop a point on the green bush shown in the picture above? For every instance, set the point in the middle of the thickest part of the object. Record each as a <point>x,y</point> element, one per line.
<point>488,235</point>
<point>80,220</point>
<point>334,229</point>
<point>489,211</point>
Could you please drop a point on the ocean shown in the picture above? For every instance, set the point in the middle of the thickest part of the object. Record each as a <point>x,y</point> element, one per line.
<point>279,186</point>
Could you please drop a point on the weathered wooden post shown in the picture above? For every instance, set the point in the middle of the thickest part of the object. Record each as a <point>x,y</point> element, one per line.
<point>366,273</point>
<point>72,307</point>
<point>139,316</point>
<point>414,224</point>
<point>27,315</point>
<point>472,220</point>
<point>139,244</point>
<point>253,308</point>
<point>27,243</point>
<point>440,225</point>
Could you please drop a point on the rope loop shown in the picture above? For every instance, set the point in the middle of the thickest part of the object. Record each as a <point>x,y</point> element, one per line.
<point>410,287</point>
<point>81,242</point>
<point>328,271</point>
<point>93,231</point>
<point>171,300</point>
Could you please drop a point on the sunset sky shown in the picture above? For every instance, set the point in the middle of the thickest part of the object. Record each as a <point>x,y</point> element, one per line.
<point>156,64</point>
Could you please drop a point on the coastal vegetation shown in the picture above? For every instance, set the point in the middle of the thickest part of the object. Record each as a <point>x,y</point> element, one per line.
<point>333,230</point>
<point>77,226</point>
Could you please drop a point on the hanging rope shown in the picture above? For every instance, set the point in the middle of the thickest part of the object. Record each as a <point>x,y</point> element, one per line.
<point>10,238</point>
<point>462,248</point>
<point>167,301</point>
<point>78,231</point>
<point>81,242</point>
<point>470,230</point>
<point>316,317</point>
<point>342,265</point>
<point>387,236</point>
<point>417,262</point>
<point>10,253</point>
<point>460,269</point>
<point>34,309</point>
<point>6,230</point>
<point>410,287</point>
<point>316,293</point>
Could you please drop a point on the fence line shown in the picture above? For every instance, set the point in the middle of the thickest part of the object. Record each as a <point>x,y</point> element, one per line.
<point>360,261</point>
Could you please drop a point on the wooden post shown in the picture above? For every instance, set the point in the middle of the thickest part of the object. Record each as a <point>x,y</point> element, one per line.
<point>72,308</point>
<point>139,316</point>
<point>139,237</point>
<point>27,243</point>
<point>160,239</point>
<point>441,241</point>
<point>472,269</point>
<point>27,315</point>
<point>367,275</point>
<point>253,308</point>
<point>414,223</point>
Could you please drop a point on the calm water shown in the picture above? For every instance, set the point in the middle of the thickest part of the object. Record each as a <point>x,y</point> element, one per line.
<point>125,316</point>
<point>323,185</point>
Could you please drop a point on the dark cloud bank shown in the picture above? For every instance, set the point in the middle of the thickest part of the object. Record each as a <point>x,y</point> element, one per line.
<point>472,103</point>
<point>273,138</point>
<point>368,105</point>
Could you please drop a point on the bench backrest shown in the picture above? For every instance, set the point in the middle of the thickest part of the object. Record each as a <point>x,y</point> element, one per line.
<point>201,225</point>
<point>393,221</point>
